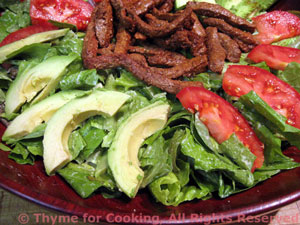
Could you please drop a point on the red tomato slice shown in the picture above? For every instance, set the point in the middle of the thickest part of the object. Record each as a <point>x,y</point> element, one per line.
<point>77,12</point>
<point>221,119</point>
<point>25,32</point>
<point>283,98</point>
<point>275,26</point>
<point>276,57</point>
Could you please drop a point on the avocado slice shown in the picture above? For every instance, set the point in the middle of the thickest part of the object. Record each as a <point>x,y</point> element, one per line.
<point>35,115</point>
<point>39,80</point>
<point>123,153</point>
<point>12,49</point>
<point>67,118</point>
<point>179,4</point>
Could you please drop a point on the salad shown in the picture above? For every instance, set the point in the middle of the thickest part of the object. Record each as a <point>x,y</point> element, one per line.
<point>105,131</point>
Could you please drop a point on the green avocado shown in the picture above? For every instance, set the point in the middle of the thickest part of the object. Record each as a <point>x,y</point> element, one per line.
<point>12,49</point>
<point>35,115</point>
<point>123,153</point>
<point>36,82</point>
<point>179,4</point>
<point>68,117</point>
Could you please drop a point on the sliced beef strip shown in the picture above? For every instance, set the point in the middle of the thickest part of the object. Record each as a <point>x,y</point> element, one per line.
<point>120,8</point>
<point>165,15</point>
<point>183,39</point>
<point>108,50</point>
<point>137,65</point>
<point>167,6</point>
<point>123,42</point>
<point>233,52</point>
<point>170,27</point>
<point>198,47</point>
<point>188,40</point>
<point>104,23</point>
<point>140,36</point>
<point>143,6</point>
<point>187,68</point>
<point>197,26</point>
<point>90,42</point>
<point>217,11</point>
<point>244,46</point>
<point>230,30</point>
<point>161,61</point>
<point>188,24</point>
<point>109,61</point>
<point>157,56</point>
<point>180,39</point>
<point>216,53</point>
<point>154,22</point>
<point>90,50</point>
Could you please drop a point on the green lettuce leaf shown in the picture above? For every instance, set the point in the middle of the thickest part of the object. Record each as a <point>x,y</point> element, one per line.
<point>124,81</point>
<point>15,16</point>
<point>81,178</point>
<point>168,190</point>
<point>235,150</point>
<point>201,134</point>
<point>35,147</point>
<point>266,4</point>
<point>274,158</point>
<point>207,161</point>
<point>5,148</point>
<point>252,100</point>
<point>155,160</point>
<point>70,44</point>
<point>83,80</point>
<point>21,155</point>
<point>211,81</point>
<point>293,42</point>
<point>76,143</point>
<point>291,75</point>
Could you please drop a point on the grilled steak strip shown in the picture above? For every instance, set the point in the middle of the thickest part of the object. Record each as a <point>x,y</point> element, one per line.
<point>164,15</point>
<point>184,39</point>
<point>167,6</point>
<point>244,46</point>
<point>197,26</point>
<point>123,40</point>
<point>216,53</point>
<point>170,28</point>
<point>157,56</point>
<point>104,23</point>
<point>187,68</point>
<point>106,51</point>
<point>143,6</point>
<point>120,8</point>
<point>90,50</point>
<point>154,22</point>
<point>137,65</point>
<point>140,36</point>
<point>198,47</point>
<point>217,11</point>
<point>233,52</point>
<point>230,30</point>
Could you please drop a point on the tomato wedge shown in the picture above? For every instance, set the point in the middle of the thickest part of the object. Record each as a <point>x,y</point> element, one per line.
<point>239,80</point>
<point>25,32</point>
<point>221,119</point>
<point>276,25</point>
<point>77,12</point>
<point>276,57</point>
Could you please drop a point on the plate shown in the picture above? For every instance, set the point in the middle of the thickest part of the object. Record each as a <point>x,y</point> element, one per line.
<point>31,182</point>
